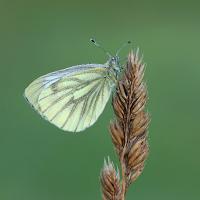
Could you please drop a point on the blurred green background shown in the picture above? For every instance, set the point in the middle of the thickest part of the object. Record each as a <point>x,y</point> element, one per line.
<point>39,161</point>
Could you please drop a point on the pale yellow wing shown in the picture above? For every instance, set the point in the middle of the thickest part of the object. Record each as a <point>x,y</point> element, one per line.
<point>73,98</point>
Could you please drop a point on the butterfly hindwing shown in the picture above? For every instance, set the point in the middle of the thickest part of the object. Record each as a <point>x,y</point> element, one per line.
<point>72,98</point>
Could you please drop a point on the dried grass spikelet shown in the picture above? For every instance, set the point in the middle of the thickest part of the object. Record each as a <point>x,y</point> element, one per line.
<point>110,181</point>
<point>129,131</point>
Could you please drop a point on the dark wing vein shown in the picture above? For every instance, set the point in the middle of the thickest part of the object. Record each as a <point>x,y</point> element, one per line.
<point>70,114</point>
<point>64,96</point>
<point>69,79</point>
<point>63,107</point>
<point>93,105</point>
<point>75,87</point>
<point>37,89</point>
<point>58,78</point>
<point>73,101</point>
<point>83,110</point>
<point>79,100</point>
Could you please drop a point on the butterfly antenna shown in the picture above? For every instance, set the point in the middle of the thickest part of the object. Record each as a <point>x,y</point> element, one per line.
<point>124,45</point>
<point>100,47</point>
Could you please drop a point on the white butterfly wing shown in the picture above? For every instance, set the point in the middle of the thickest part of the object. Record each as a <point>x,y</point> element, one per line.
<point>72,98</point>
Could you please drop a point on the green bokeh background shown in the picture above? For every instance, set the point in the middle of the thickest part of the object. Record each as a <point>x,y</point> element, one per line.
<point>40,162</point>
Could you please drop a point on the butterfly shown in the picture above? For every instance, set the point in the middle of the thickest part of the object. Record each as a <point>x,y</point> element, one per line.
<point>73,98</point>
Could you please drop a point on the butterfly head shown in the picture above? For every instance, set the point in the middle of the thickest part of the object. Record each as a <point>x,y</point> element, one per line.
<point>114,63</point>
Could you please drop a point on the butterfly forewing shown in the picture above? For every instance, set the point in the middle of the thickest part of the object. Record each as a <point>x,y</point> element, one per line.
<point>72,98</point>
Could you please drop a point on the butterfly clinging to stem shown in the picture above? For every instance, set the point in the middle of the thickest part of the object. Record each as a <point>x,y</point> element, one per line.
<point>73,98</point>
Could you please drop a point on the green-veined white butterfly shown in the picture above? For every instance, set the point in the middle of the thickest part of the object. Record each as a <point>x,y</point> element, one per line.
<point>73,98</point>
